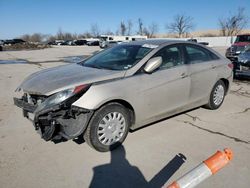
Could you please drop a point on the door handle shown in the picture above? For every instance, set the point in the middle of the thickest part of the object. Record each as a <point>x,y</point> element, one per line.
<point>184,75</point>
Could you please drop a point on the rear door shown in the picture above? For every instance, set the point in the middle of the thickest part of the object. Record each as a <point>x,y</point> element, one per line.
<point>202,66</point>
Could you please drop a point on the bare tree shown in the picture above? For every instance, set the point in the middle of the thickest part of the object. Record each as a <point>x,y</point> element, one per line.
<point>85,35</point>
<point>51,38</point>
<point>36,37</point>
<point>123,28</point>
<point>117,32</point>
<point>145,32</point>
<point>68,36</point>
<point>181,24</point>
<point>129,27</point>
<point>234,23</point>
<point>140,27</point>
<point>108,32</point>
<point>222,26</point>
<point>59,34</point>
<point>26,37</point>
<point>152,29</point>
<point>95,30</point>
<point>75,36</point>
<point>65,35</point>
<point>81,36</point>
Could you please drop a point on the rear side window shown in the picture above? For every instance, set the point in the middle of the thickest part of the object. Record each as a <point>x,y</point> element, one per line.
<point>196,54</point>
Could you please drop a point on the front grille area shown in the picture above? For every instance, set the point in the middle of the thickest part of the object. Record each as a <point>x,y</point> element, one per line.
<point>34,99</point>
<point>234,49</point>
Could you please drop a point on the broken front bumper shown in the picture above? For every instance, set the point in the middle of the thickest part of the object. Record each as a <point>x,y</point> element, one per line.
<point>57,122</point>
<point>27,108</point>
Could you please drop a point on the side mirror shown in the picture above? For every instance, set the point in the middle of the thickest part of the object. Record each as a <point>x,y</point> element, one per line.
<point>153,64</point>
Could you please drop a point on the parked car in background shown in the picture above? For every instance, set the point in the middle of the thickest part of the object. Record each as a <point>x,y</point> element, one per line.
<point>114,39</point>
<point>109,44</point>
<point>59,42</point>
<point>93,43</point>
<point>80,42</point>
<point>13,41</point>
<point>68,43</point>
<point>196,41</point>
<point>242,66</point>
<point>121,88</point>
<point>56,42</point>
<point>240,44</point>
<point>1,43</point>
<point>51,43</point>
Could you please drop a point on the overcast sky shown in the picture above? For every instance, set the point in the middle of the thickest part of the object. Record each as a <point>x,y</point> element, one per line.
<point>18,17</point>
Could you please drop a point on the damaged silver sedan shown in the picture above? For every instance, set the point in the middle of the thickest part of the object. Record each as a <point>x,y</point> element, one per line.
<point>123,88</point>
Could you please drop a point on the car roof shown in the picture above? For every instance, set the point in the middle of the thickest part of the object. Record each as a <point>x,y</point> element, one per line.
<point>162,42</point>
<point>157,42</point>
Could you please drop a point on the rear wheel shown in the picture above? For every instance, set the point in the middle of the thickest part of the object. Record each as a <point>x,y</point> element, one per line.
<point>108,127</point>
<point>217,95</point>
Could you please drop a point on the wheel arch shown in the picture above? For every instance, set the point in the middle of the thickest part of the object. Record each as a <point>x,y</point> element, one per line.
<point>125,104</point>
<point>226,82</point>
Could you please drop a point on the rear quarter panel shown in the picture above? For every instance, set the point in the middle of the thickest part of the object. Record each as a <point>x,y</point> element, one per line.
<point>224,72</point>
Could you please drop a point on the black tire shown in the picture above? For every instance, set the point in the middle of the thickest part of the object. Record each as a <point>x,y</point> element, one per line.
<point>211,103</point>
<point>91,135</point>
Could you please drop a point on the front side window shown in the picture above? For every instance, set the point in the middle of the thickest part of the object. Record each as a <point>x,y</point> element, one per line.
<point>171,57</point>
<point>120,57</point>
<point>197,55</point>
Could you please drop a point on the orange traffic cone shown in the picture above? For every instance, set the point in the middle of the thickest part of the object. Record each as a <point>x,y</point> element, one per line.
<point>208,167</point>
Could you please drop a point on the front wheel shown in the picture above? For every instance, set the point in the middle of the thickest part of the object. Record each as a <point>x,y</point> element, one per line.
<point>108,127</point>
<point>217,95</point>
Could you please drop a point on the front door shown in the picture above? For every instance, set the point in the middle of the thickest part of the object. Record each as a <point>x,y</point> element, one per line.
<point>166,89</point>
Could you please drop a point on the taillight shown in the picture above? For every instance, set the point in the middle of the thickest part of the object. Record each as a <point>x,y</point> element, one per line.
<point>81,88</point>
<point>231,66</point>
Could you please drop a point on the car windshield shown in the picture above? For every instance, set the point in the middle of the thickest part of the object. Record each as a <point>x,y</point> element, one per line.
<point>121,57</point>
<point>243,38</point>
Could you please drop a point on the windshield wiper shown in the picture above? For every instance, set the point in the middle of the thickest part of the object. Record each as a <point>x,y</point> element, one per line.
<point>98,67</point>
<point>93,66</point>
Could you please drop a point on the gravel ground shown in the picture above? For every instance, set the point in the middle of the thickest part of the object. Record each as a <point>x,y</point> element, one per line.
<point>149,157</point>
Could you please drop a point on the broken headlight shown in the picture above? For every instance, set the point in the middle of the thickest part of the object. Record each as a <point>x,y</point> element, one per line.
<point>61,96</point>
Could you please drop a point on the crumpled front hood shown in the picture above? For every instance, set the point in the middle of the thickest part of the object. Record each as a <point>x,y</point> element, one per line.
<point>52,80</point>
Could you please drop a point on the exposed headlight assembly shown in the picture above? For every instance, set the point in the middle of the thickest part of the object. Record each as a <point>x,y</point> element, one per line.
<point>63,96</point>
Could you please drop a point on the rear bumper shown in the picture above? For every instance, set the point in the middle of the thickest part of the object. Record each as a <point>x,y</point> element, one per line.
<point>58,122</point>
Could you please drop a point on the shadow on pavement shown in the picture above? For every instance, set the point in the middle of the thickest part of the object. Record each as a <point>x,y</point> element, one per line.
<point>120,173</point>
